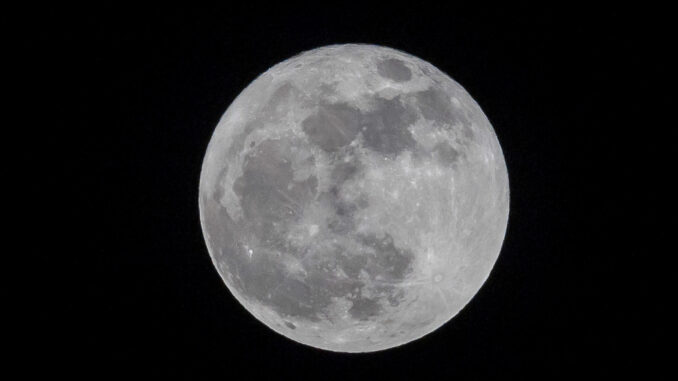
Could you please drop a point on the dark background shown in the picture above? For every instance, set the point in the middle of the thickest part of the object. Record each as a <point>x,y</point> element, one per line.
<point>574,95</point>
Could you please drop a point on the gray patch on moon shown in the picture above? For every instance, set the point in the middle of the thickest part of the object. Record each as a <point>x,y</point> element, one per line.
<point>435,105</point>
<point>333,126</point>
<point>445,153</point>
<point>385,128</point>
<point>267,190</point>
<point>394,69</point>
<point>271,200</point>
<point>341,222</point>
<point>387,261</point>
<point>345,170</point>
<point>364,308</point>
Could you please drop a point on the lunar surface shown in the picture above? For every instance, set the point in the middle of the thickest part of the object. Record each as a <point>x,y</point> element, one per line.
<point>354,198</point>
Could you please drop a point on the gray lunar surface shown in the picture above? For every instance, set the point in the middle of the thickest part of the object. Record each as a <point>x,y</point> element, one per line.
<point>354,198</point>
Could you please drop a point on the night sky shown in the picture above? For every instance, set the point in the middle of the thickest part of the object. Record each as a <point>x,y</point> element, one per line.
<point>131,97</point>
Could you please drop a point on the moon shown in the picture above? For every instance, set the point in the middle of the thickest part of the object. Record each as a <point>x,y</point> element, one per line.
<point>354,198</point>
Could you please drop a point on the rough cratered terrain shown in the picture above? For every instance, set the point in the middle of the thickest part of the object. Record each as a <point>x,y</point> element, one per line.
<point>354,198</point>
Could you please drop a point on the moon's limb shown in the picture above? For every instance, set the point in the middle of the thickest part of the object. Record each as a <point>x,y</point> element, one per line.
<point>354,198</point>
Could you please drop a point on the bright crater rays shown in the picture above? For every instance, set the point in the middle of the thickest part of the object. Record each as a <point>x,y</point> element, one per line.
<point>354,198</point>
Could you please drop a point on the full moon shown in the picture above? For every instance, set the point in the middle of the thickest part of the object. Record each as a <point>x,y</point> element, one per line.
<point>354,198</point>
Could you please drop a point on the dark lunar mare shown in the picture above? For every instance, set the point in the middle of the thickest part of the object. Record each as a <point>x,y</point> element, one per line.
<point>384,129</point>
<point>333,126</point>
<point>394,69</point>
<point>272,201</point>
<point>434,105</point>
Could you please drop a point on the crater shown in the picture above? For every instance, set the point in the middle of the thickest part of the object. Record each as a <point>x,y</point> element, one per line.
<point>394,69</point>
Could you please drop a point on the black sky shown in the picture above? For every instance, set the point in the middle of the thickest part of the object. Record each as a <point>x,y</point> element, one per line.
<point>574,94</point>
